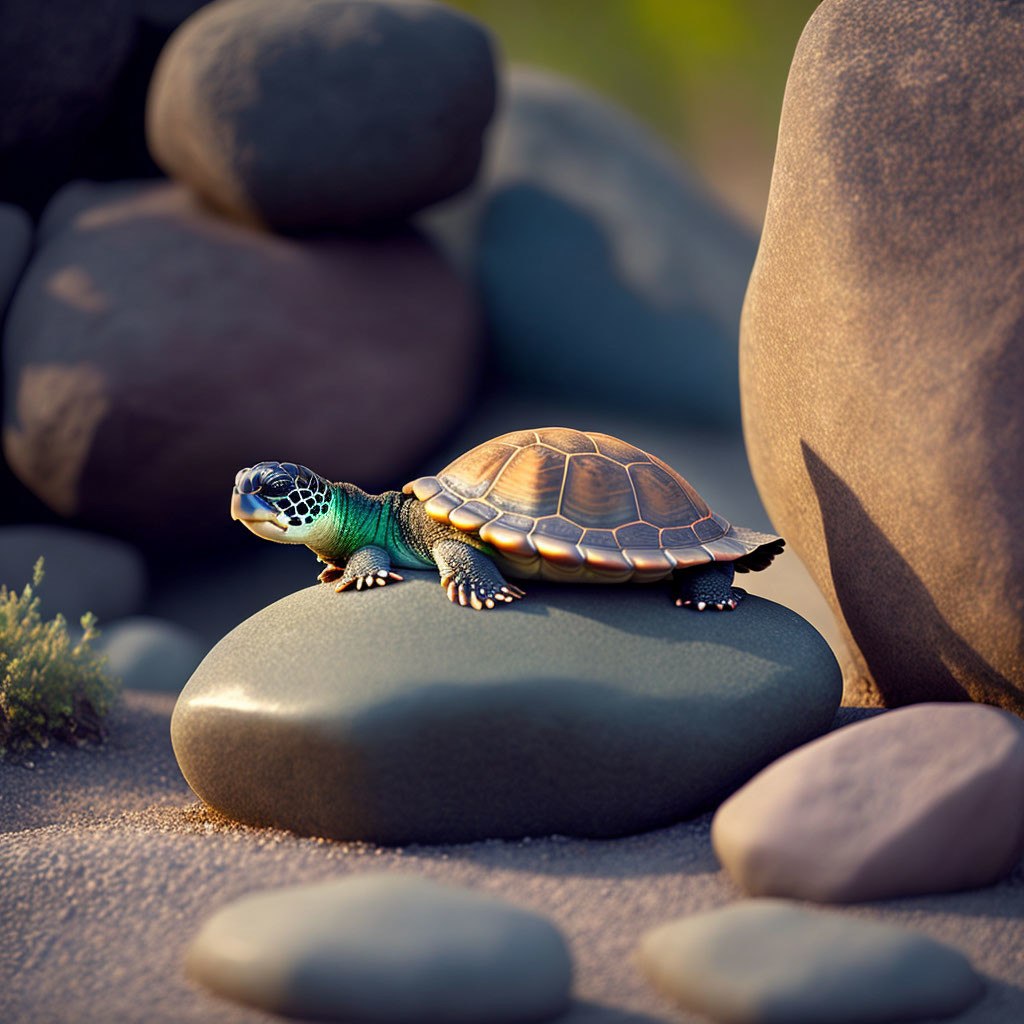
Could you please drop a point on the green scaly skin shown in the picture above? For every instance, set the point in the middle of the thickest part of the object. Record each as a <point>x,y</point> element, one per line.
<point>396,524</point>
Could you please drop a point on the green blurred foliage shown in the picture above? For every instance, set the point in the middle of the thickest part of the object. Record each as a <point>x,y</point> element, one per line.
<point>708,75</point>
<point>50,688</point>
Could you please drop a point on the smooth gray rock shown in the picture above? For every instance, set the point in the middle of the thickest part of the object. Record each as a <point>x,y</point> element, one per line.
<point>311,114</point>
<point>396,716</point>
<point>84,572</point>
<point>773,962</point>
<point>154,348</point>
<point>15,242</point>
<point>601,259</point>
<point>882,354</point>
<point>921,800</point>
<point>385,949</point>
<point>148,653</point>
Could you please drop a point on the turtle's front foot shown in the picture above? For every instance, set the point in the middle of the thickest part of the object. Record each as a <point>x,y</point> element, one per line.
<point>471,578</point>
<point>368,567</point>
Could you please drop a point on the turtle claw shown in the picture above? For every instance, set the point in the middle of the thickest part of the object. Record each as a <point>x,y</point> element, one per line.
<point>368,580</point>
<point>330,574</point>
<point>479,597</point>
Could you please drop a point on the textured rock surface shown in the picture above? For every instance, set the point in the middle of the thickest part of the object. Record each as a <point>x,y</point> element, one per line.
<point>15,241</point>
<point>385,947</point>
<point>153,349</point>
<point>924,799</point>
<point>322,113</point>
<point>59,66</point>
<point>147,653</point>
<point>399,717</point>
<point>772,962</point>
<point>84,572</point>
<point>601,259</point>
<point>882,353</point>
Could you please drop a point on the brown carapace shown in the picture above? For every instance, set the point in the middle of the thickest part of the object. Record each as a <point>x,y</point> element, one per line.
<point>566,504</point>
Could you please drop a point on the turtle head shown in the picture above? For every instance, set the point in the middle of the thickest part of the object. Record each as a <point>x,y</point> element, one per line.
<point>281,501</point>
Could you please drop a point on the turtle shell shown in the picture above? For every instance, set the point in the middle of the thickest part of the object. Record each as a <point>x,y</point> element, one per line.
<point>566,503</point>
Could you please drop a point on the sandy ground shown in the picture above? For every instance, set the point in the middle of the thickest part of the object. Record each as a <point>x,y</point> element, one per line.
<point>108,866</point>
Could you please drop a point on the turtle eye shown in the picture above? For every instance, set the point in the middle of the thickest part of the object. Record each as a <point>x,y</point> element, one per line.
<point>277,487</point>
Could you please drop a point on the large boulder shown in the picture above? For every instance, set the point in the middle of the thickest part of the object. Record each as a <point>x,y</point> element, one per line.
<point>153,349</point>
<point>396,716</point>
<point>306,114</point>
<point>882,350</point>
<point>60,61</point>
<point>601,259</point>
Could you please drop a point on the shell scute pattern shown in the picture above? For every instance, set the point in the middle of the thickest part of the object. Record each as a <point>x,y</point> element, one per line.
<point>598,493</point>
<point>582,500</point>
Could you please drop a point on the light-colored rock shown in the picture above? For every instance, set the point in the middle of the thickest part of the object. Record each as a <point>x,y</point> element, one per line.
<point>311,114</point>
<point>882,365</point>
<point>148,653</point>
<point>83,572</point>
<point>393,948</point>
<point>772,962</point>
<point>153,349</point>
<point>920,800</point>
<point>396,716</point>
<point>601,259</point>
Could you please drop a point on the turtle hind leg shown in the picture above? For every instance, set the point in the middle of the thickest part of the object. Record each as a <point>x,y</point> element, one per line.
<point>706,586</point>
<point>470,577</point>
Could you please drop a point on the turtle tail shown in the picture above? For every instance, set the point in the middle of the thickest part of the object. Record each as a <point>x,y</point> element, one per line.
<point>764,548</point>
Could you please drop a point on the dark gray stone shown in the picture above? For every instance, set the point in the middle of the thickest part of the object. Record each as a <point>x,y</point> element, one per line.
<point>84,572</point>
<point>147,653</point>
<point>883,341</point>
<point>375,948</point>
<point>396,716</point>
<point>15,242</point>
<point>308,114</point>
<point>59,67</point>
<point>772,962</point>
<point>601,259</point>
<point>153,349</point>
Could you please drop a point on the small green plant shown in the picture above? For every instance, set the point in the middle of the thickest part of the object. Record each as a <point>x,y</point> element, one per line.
<point>49,688</point>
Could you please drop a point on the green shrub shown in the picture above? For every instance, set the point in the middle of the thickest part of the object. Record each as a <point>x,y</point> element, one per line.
<point>49,688</point>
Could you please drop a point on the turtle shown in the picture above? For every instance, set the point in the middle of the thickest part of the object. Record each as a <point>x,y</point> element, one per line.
<point>553,503</point>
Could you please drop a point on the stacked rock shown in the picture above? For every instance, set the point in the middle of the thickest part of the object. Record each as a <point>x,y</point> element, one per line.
<point>155,346</point>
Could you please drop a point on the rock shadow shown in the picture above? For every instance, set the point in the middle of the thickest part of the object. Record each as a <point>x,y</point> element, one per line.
<point>910,650</point>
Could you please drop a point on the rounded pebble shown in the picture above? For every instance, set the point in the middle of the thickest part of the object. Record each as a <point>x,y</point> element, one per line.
<point>772,962</point>
<point>385,949</point>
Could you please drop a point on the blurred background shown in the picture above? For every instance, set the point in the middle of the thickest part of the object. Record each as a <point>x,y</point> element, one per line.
<point>706,75</point>
<point>364,237</point>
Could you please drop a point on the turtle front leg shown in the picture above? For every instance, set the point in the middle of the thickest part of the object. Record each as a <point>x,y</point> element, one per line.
<point>366,567</point>
<point>470,576</point>
<point>706,586</point>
